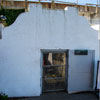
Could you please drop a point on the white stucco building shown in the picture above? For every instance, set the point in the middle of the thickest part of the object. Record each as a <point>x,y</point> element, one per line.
<point>43,30</point>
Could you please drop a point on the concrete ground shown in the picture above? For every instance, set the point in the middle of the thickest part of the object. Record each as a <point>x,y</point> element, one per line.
<point>62,96</point>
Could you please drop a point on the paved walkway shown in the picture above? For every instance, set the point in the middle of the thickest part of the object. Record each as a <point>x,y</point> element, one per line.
<point>63,96</point>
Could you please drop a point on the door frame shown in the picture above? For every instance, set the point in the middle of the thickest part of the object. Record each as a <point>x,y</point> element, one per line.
<point>66,66</point>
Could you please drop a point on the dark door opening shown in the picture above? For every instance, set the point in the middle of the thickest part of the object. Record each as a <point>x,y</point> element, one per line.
<point>54,68</point>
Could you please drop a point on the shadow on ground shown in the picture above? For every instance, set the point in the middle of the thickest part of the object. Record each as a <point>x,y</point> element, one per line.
<point>62,96</point>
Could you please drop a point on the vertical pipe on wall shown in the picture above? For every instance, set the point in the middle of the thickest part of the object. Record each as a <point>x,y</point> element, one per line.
<point>0,30</point>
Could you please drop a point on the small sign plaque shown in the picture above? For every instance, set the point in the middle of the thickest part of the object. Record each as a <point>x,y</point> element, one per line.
<point>81,52</point>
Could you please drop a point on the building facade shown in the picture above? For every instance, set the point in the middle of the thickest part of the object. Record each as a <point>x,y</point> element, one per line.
<point>34,32</point>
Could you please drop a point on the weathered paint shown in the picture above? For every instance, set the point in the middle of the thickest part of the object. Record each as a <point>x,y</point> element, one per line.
<point>20,48</point>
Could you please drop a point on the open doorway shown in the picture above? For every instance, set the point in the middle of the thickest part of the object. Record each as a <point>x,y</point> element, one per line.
<point>54,71</point>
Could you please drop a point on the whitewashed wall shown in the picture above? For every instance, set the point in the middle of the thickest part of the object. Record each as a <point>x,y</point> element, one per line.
<point>20,53</point>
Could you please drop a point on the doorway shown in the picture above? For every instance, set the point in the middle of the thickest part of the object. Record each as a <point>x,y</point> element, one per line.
<point>54,71</point>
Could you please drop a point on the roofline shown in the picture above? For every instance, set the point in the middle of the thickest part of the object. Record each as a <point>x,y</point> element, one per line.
<point>56,2</point>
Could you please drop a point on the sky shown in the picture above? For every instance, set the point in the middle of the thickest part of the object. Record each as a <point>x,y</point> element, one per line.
<point>80,1</point>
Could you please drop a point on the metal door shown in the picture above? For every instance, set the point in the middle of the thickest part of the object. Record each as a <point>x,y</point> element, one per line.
<point>80,70</point>
<point>54,71</point>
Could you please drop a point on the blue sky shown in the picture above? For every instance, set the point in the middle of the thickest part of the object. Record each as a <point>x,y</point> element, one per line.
<point>84,1</point>
<point>81,1</point>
